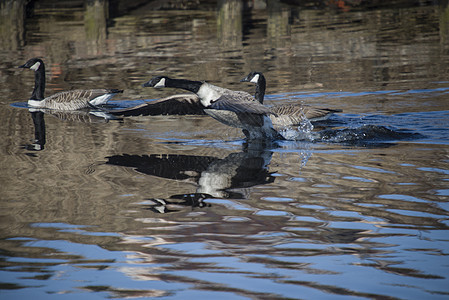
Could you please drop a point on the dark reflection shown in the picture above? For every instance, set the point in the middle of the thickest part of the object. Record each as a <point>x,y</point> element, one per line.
<point>278,22</point>
<point>83,116</point>
<point>171,166</point>
<point>444,23</point>
<point>95,23</point>
<point>366,136</point>
<point>12,23</point>
<point>39,132</point>
<point>215,177</point>
<point>229,23</point>
<point>177,202</point>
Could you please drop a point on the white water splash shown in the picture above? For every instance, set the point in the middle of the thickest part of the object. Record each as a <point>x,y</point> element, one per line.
<point>298,133</point>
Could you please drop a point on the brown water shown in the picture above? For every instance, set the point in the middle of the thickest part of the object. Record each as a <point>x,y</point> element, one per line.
<point>179,207</point>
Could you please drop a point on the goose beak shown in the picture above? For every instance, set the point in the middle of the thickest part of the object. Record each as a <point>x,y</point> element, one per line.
<point>22,66</point>
<point>247,78</point>
<point>155,82</point>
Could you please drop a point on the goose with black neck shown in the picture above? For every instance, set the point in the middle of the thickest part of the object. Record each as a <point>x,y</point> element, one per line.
<point>233,108</point>
<point>67,100</point>
<point>287,114</point>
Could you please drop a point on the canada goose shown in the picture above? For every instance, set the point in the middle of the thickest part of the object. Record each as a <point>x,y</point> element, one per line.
<point>233,108</point>
<point>67,100</point>
<point>261,84</point>
<point>287,114</point>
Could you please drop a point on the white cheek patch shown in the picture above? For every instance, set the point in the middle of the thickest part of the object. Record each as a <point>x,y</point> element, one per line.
<point>255,79</point>
<point>36,66</point>
<point>160,84</point>
<point>207,95</point>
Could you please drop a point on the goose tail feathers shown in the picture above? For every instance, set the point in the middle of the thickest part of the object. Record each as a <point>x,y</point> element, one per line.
<point>104,98</point>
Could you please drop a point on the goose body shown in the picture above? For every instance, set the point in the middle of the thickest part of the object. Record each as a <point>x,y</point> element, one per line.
<point>287,114</point>
<point>233,108</point>
<point>67,100</point>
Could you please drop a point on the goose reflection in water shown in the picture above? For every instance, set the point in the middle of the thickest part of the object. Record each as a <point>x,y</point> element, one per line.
<point>39,132</point>
<point>215,177</point>
<point>83,116</point>
<point>88,115</point>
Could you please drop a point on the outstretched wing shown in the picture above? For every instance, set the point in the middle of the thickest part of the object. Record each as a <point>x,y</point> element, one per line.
<point>184,104</point>
<point>240,103</point>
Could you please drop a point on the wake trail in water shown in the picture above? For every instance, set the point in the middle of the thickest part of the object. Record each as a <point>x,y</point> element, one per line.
<point>365,133</point>
<point>358,135</point>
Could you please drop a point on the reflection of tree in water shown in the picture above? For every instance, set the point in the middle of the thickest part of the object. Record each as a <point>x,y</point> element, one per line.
<point>12,23</point>
<point>229,23</point>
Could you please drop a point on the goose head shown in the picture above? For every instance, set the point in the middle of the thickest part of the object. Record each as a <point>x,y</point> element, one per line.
<point>259,80</point>
<point>252,77</point>
<point>33,64</point>
<point>156,82</point>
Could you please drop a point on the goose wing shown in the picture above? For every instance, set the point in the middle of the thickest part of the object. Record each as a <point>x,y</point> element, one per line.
<point>240,102</point>
<point>84,95</point>
<point>183,104</point>
<point>78,99</point>
<point>294,114</point>
<point>312,113</point>
<point>94,93</point>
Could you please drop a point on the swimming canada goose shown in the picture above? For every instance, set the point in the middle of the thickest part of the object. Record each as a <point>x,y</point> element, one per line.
<point>287,114</point>
<point>233,108</point>
<point>67,100</point>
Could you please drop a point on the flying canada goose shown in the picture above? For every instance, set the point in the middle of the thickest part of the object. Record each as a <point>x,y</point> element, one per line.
<point>67,100</point>
<point>190,104</point>
<point>287,114</point>
<point>233,108</point>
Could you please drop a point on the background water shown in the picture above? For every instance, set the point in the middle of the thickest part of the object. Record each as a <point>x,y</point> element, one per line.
<point>179,207</point>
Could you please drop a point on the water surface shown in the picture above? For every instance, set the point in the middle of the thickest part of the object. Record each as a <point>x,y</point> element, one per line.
<point>180,207</point>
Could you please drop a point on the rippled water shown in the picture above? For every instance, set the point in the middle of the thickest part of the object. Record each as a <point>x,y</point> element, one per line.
<point>180,207</point>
